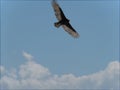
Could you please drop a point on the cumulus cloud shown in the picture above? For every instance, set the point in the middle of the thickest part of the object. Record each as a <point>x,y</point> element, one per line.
<point>27,56</point>
<point>32,75</point>
<point>2,69</point>
<point>33,70</point>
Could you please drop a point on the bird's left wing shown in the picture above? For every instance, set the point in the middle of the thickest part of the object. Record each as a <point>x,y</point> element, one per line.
<point>68,28</point>
<point>57,10</point>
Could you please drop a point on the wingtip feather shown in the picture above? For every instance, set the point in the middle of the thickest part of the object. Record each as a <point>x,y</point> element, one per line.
<point>76,35</point>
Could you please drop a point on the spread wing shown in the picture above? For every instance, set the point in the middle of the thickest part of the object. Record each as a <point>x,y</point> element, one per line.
<point>58,11</point>
<point>68,28</point>
<point>60,16</point>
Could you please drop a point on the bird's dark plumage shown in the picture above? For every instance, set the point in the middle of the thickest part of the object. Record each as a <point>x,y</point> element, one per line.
<point>62,20</point>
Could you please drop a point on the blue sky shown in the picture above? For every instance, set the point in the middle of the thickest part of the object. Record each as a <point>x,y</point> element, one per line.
<point>28,26</point>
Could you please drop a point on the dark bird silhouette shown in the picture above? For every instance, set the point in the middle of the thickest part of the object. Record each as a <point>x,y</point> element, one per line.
<point>63,21</point>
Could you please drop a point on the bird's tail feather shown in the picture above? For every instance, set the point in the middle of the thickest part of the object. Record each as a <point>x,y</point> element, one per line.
<point>57,24</point>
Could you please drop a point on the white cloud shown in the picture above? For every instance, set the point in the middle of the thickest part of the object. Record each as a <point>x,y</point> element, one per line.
<point>32,75</point>
<point>33,70</point>
<point>2,69</point>
<point>27,56</point>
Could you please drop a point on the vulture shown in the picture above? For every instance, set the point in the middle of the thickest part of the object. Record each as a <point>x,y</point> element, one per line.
<point>63,21</point>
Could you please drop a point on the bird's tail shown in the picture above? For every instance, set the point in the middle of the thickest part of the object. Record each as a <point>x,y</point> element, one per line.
<point>57,24</point>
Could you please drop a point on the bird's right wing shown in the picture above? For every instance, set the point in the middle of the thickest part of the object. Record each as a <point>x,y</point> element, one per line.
<point>68,28</point>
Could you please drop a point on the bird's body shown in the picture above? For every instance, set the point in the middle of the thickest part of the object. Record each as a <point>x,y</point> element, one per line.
<point>62,20</point>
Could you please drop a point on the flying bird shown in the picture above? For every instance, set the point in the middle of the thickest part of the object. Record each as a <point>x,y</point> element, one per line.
<point>63,21</point>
